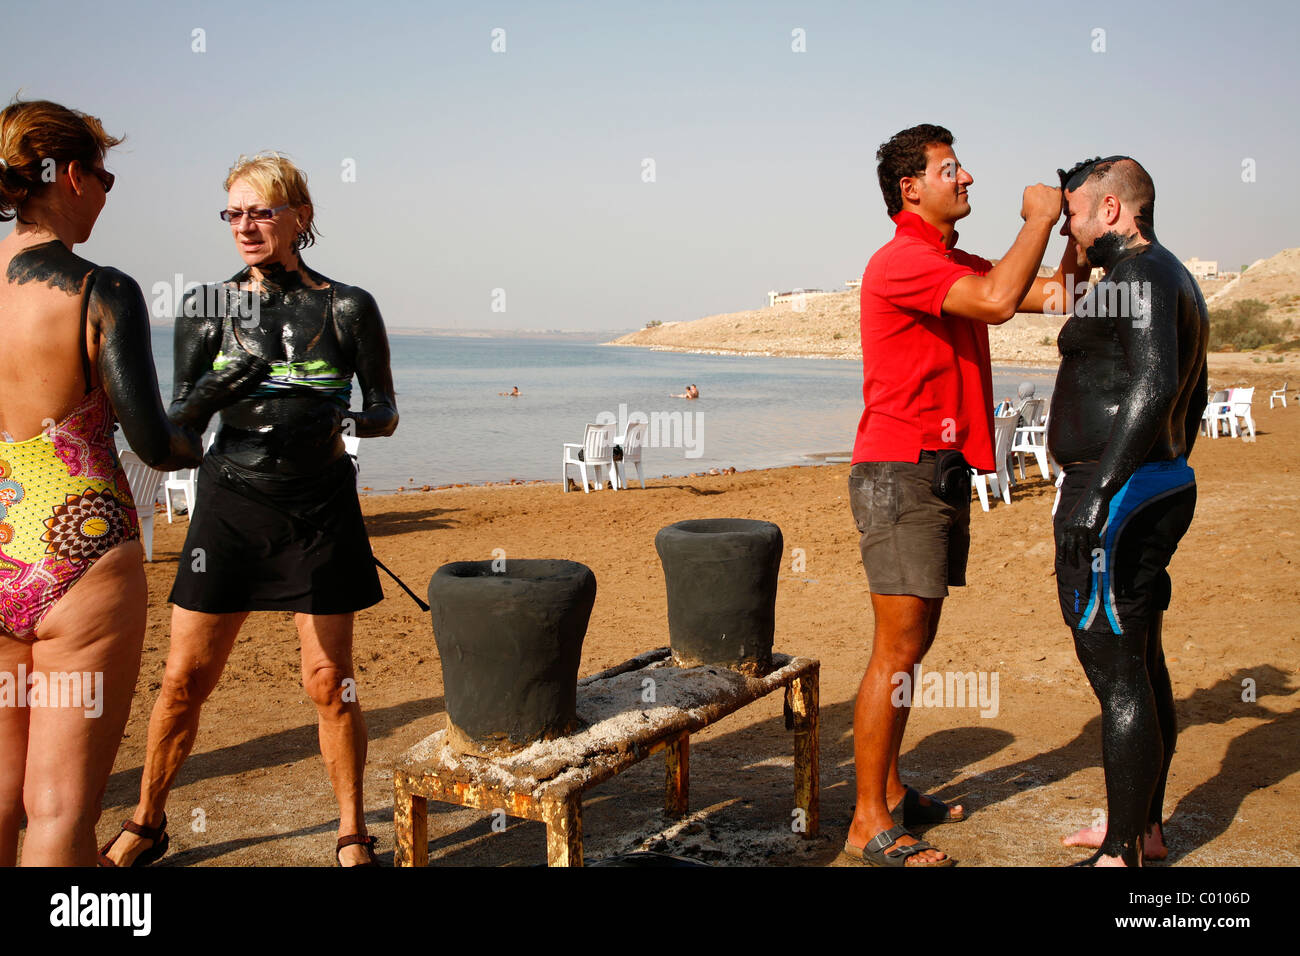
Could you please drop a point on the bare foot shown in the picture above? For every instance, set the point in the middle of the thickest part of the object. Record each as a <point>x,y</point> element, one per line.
<point>1153,843</point>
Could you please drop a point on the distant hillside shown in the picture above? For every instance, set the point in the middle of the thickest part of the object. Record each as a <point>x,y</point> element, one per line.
<point>827,328</point>
<point>828,325</point>
<point>1274,281</point>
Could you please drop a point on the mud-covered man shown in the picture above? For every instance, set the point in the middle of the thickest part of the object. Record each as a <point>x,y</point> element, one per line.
<point>1125,412</point>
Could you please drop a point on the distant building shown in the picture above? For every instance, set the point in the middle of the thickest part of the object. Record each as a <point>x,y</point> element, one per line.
<point>798,296</point>
<point>1202,269</point>
<point>853,284</point>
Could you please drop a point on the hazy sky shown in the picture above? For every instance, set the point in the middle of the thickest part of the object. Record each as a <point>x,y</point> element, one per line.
<point>525,170</point>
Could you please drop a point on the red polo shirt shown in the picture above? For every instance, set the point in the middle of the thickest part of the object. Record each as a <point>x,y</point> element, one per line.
<point>927,381</point>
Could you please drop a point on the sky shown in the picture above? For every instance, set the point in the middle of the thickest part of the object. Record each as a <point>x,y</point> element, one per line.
<point>582,166</point>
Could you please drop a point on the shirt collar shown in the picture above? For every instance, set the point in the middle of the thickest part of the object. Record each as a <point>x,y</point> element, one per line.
<point>910,224</point>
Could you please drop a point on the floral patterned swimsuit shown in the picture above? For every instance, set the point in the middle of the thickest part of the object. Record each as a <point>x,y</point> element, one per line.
<point>64,503</point>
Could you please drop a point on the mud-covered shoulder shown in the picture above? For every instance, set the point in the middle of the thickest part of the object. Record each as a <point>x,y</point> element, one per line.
<point>1152,264</point>
<point>52,264</point>
<point>354,306</point>
<point>117,294</point>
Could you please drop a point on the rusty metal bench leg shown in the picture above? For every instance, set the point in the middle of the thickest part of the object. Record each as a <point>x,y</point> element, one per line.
<point>563,819</point>
<point>410,824</point>
<point>677,784</point>
<point>802,715</point>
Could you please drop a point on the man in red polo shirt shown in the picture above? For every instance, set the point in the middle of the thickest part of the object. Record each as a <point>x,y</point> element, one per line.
<point>928,393</point>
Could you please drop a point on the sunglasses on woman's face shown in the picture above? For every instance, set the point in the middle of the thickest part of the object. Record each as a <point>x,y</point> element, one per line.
<point>106,179</point>
<point>233,216</point>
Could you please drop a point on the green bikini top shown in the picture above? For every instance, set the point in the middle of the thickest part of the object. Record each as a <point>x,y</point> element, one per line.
<point>318,375</point>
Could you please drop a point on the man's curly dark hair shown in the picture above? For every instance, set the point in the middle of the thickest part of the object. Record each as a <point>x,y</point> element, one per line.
<point>904,155</point>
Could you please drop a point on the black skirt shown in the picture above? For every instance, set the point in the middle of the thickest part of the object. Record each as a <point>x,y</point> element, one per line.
<point>269,543</point>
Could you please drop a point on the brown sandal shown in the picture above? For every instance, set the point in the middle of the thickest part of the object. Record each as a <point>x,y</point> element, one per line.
<point>152,855</point>
<point>356,839</point>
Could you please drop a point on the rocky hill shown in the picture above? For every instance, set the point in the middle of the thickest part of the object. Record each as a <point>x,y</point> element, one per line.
<point>827,326</point>
<point>1275,281</point>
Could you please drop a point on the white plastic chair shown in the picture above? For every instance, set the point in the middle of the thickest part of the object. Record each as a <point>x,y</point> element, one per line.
<point>632,444</point>
<point>1032,440</point>
<point>185,481</point>
<point>144,483</point>
<point>597,452</point>
<point>1004,430</point>
<point>1240,400</point>
<point>1279,395</point>
<point>1218,411</point>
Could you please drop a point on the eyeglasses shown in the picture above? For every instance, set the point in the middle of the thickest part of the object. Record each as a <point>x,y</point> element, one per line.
<point>106,179</point>
<point>233,216</point>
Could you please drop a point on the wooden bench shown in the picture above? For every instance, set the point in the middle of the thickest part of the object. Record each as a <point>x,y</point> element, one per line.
<point>631,711</point>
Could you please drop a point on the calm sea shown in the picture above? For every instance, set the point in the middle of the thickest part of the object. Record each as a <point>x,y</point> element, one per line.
<point>753,412</point>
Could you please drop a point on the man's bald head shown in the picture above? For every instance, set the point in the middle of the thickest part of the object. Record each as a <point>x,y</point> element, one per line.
<point>1120,176</point>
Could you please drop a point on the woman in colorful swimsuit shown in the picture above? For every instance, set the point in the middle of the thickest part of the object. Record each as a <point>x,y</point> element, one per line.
<point>75,354</point>
<point>277,525</point>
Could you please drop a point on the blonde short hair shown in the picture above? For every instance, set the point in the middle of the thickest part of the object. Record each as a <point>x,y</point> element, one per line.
<point>279,181</point>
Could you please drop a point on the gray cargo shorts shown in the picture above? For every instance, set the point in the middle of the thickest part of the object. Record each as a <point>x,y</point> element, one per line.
<point>913,542</point>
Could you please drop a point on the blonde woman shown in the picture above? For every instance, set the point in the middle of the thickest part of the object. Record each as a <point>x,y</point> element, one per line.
<point>277,517</point>
<point>76,355</point>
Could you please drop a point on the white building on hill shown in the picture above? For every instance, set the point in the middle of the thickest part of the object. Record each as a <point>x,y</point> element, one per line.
<point>1202,269</point>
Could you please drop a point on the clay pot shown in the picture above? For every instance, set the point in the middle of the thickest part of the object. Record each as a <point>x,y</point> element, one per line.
<point>510,643</point>
<point>721,575</point>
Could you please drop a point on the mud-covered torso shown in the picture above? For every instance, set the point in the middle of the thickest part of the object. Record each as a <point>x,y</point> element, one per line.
<point>1147,313</point>
<point>291,423</point>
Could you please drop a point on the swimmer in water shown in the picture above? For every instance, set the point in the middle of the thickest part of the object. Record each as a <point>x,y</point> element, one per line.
<point>513,393</point>
<point>1125,414</point>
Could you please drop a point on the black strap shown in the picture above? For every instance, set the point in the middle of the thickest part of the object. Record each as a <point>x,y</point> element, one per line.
<point>240,486</point>
<point>85,308</point>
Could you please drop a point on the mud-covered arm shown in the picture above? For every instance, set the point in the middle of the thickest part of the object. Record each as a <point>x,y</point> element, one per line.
<point>1196,408</point>
<point>120,320</point>
<point>1148,335</point>
<point>361,331</point>
<point>199,393</point>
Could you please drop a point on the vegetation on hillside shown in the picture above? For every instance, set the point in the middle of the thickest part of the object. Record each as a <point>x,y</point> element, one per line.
<point>1246,325</point>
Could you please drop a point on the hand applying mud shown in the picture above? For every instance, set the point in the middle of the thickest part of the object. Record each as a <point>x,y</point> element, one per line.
<point>217,389</point>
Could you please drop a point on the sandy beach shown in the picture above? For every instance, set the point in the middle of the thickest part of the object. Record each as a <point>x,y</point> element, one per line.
<point>255,792</point>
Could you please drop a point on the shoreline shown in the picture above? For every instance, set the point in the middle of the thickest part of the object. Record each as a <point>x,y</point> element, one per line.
<point>814,460</point>
<point>1017,363</point>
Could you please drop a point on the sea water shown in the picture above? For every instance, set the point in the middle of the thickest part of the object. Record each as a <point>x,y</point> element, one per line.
<point>753,411</point>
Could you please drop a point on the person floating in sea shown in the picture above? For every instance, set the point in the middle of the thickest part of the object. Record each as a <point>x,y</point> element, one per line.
<point>927,418</point>
<point>277,525</point>
<point>1125,414</point>
<point>691,392</point>
<point>513,393</point>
